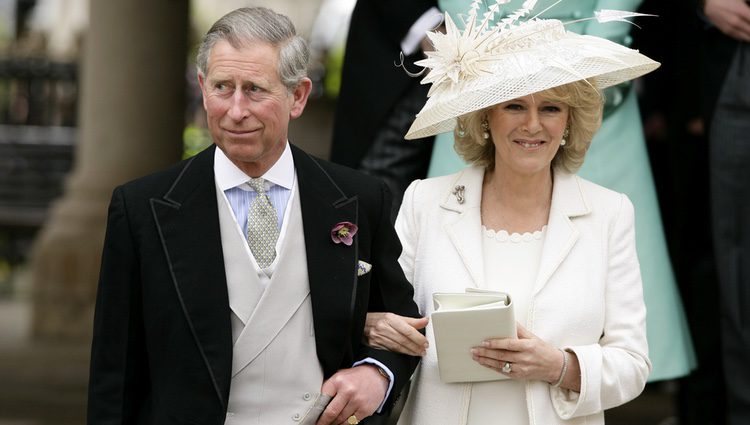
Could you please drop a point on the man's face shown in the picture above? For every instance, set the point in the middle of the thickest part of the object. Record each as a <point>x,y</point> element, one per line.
<point>247,107</point>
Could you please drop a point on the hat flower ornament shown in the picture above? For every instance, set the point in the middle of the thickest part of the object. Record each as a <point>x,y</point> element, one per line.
<point>488,62</point>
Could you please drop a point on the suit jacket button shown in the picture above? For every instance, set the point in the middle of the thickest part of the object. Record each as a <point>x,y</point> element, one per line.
<point>297,417</point>
<point>307,396</point>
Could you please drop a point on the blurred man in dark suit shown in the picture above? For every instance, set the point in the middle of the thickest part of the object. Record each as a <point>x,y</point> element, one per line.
<point>378,99</point>
<point>727,110</point>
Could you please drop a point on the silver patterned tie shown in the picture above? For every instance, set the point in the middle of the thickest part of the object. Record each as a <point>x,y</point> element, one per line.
<point>262,227</point>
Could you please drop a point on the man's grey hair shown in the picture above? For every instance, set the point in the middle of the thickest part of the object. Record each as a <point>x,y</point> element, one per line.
<point>242,27</point>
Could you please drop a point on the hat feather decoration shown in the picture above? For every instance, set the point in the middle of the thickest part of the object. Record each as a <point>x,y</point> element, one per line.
<point>487,62</point>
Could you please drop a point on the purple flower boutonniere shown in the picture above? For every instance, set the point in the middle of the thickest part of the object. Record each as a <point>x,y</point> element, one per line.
<point>343,232</point>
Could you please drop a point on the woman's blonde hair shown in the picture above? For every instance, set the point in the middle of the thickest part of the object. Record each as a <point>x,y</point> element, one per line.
<point>584,119</point>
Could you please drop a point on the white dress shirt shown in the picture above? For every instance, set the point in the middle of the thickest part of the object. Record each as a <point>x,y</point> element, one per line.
<point>427,22</point>
<point>280,182</point>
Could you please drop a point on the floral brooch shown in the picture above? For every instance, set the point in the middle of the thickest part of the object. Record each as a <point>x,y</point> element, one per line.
<point>344,232</point>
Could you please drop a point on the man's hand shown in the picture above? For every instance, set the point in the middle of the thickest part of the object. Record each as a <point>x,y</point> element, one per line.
<point>426,45</point>
<point>356,391</point>
<point>732,17</point>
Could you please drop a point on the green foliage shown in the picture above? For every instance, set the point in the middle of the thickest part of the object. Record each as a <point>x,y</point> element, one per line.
<point>194,140</point>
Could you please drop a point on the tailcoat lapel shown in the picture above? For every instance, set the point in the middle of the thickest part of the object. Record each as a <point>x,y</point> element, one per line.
<point>567,202</point>
<point>188,224</point>
<point>463,221</point>
<point>331,267</point>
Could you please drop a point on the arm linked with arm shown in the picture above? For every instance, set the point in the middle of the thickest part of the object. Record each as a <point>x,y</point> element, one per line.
<point>390,292</point>
<point>387,330</point>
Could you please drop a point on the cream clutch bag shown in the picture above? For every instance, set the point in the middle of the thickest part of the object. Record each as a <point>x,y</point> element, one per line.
<point>461,322</point>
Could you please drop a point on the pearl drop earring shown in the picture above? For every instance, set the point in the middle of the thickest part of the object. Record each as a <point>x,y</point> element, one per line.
<point>565,136</point>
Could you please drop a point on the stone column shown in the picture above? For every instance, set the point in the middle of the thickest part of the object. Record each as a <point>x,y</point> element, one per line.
<point>132,92</point>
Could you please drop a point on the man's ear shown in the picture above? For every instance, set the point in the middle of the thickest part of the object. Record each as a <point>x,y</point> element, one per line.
<point>300,94</point>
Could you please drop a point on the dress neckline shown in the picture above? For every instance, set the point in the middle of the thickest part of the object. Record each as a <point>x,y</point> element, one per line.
<point>504,236</point>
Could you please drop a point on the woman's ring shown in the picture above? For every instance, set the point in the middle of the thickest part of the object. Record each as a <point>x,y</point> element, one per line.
<point>352,420</point>
<point>507,367</point>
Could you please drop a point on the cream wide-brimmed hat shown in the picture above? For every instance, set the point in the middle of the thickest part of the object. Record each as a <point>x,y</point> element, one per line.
<point>485,64</point>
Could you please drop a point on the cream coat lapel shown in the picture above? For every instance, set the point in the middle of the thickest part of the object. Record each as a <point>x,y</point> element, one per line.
<point>243,285</point>
<point>463,221</point>
<point>286,292</point>
<point>567,201</point>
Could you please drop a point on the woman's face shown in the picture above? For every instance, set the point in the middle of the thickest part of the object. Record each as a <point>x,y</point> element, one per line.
<point>527,133</point>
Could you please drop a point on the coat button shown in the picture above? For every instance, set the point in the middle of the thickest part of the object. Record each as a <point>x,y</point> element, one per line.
<point>297,417</point>
<point>307,396</point>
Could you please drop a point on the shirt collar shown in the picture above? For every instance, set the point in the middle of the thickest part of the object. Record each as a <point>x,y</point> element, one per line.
<point>227,174</point>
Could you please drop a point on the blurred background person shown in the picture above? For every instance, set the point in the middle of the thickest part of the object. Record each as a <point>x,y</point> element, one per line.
<point>378,100</point>
<point>678,152</point>
<point>726,86</point>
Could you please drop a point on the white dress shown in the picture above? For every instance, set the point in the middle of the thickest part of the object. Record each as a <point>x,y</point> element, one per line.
<point>511,263</point>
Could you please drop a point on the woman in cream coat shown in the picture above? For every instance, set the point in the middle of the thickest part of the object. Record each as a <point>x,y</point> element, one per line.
<point>520,221</point>
<point>617,160</point>
<point>586,298</point>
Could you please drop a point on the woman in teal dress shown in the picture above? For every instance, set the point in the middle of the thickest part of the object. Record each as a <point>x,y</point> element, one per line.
<point>617,160</point>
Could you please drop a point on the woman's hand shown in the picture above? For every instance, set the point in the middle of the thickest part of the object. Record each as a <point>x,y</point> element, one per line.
<point>396,333</point>
<point>530,358</point>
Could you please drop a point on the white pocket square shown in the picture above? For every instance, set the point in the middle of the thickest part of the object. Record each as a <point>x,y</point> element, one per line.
<point>363,268</point>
